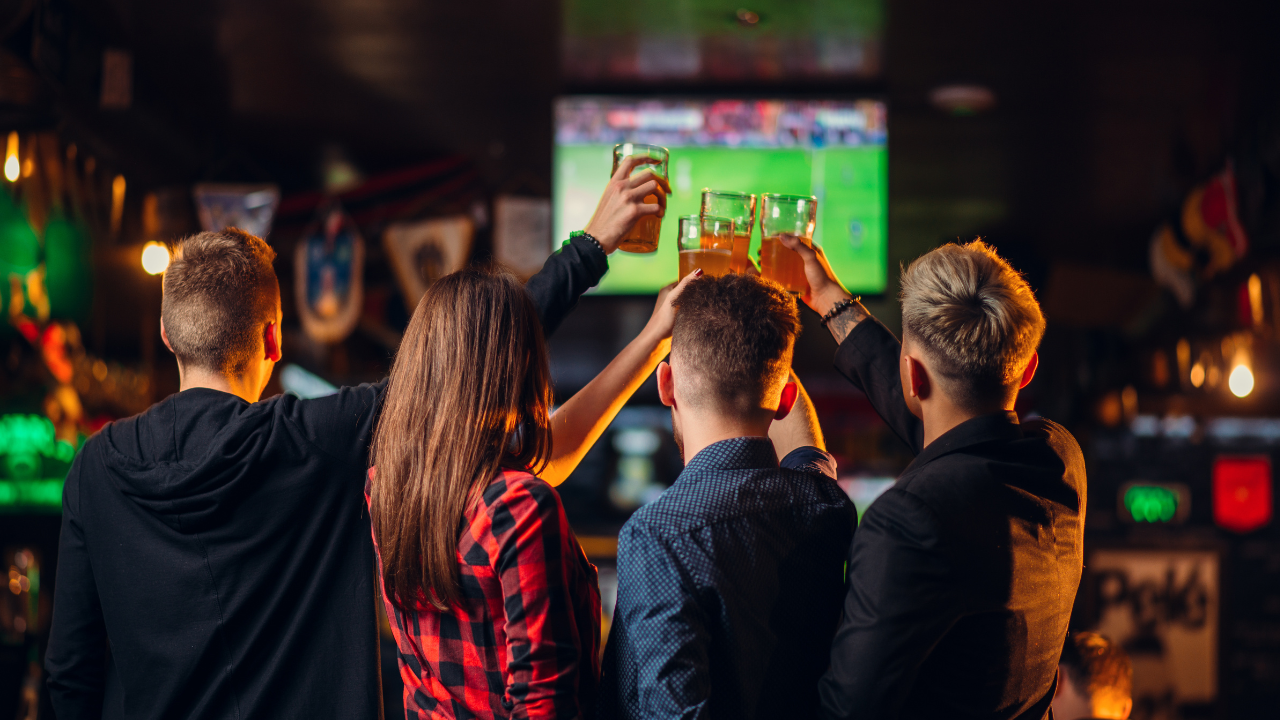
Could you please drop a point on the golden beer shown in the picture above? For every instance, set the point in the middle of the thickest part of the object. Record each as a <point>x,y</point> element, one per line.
<point>783,265</point>
<point>791,215</point>
<point>741,209</point>
<point>643,237</point>
<point>713,262</point>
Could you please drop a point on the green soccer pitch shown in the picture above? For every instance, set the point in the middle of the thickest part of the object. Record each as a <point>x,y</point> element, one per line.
<point>850,183</point>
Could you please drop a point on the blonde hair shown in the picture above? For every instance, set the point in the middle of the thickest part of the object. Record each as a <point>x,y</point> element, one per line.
<point>975,316</point>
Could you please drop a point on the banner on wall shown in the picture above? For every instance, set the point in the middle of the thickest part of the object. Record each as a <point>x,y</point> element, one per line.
<point>329,277</point>
<point>522,233</point>
<point>1162,607</point>
<point>248,207</point>
<point>422,252</point>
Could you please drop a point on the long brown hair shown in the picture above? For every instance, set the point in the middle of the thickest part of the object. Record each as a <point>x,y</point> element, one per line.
<point>470,392</point>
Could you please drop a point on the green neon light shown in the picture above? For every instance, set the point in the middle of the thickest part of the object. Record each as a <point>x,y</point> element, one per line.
<point>1151,504</point>
<point>27,434</point>
<point>31,495</point>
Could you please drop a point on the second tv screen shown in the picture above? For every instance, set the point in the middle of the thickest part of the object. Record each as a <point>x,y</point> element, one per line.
<point>834,150</point>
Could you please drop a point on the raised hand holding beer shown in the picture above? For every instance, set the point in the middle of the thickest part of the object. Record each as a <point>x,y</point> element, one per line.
<point>625,202</point>
<point>794,215</point>
<point>823,289</point>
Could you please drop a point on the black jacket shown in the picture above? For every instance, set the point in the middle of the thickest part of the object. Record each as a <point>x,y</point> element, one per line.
<point>222,549</point>
<point>963,574</point>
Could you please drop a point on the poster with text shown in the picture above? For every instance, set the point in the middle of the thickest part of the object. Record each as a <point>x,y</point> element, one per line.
<point>1162,607</point>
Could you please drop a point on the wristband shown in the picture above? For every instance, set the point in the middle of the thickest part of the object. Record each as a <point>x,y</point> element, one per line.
<point>585,234</point>
<point>839,308</point>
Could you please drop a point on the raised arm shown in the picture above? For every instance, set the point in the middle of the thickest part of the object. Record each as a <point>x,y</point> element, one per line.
<point>800,427</point>
<point>868,354</point>
<point>580,264</point>
<point>342,424</point>
<point>581,421</point>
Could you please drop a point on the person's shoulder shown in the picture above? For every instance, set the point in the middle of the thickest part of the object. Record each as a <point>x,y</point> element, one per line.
<point>693,500</point>
<point>903,514</point>
<point>1056,437</point>
<point>520,491</point>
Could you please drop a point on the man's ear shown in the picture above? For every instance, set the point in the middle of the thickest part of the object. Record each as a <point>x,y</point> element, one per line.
<point>666,385</point>
<point>1128,708</point>
<point>1030,372</point>
<point>917,378</point>
<point>271,341</point>
<point>165,336</point>
<point>787,400</point>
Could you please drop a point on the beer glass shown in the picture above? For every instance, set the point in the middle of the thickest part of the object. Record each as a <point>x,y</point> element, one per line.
<point>793,214</point>
<point>739,207</point>
<point>643,238</point>
<point>706,242</point>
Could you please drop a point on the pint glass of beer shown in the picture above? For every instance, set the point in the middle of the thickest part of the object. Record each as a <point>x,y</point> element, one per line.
<point>706,242</point>
<point>739,207</point>
<point>793,214</point>
<point>643,238</point>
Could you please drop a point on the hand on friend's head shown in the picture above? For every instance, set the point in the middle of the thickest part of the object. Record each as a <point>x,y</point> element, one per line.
<point>824,289</point>
<point>663,319</point>
<point>622,203</point>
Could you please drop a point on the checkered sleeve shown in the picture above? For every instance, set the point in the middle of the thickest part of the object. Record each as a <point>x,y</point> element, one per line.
<point>545,653</point>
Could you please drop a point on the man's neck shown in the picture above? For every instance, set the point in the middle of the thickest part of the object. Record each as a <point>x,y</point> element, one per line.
<point>940,417</point>
<point>700,431</point>
<point>241,386</point>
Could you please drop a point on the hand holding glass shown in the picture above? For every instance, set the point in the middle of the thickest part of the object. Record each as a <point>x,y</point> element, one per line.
<point>705,242</point>
<point>792,214</point>
<point>643,238</point>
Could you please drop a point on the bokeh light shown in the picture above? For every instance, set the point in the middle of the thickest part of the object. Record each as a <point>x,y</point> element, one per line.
<point>155,258</point>
<point>1241,380</point>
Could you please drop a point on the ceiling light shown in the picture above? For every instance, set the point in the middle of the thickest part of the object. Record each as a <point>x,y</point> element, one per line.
<point>962,99</point>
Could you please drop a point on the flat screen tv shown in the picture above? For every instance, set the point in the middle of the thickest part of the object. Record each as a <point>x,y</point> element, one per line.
<point>835,150</point>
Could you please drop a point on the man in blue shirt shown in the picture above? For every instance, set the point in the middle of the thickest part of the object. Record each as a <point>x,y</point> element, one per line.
<point>730,584</point>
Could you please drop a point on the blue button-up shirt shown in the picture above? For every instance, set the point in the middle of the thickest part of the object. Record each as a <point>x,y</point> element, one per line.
<point>730,587</point>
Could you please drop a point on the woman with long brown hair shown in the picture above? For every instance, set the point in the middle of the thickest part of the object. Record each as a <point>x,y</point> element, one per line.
<point>493,604</point>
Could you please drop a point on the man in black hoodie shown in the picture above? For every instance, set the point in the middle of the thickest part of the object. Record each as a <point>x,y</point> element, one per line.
<point>219,544</point>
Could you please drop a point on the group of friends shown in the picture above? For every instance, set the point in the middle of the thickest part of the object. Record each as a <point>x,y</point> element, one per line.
<point>221,554</point>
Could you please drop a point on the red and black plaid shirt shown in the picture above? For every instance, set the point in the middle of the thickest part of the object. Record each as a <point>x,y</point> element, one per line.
<point>523,642</point>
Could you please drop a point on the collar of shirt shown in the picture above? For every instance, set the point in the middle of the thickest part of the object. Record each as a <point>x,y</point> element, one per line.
<point>994,427</point>
<point>740,453</point>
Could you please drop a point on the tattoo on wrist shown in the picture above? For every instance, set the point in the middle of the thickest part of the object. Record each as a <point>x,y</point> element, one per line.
<point>843,322</point>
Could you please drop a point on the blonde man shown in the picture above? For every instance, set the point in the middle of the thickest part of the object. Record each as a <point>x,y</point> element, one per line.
<point>963,574</point>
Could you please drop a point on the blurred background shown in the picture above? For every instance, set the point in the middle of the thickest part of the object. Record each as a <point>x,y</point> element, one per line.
<point>1124,155</point>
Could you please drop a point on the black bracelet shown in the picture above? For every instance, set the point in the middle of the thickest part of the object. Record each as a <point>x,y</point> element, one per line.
<point>589,236</point>
<point>839,308</point>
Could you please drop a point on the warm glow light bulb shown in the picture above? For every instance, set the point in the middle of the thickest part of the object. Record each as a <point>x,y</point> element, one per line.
<point>1197,375</point>
<point>155,258</point>
<point>1241,380</point>
<point>11,167</point>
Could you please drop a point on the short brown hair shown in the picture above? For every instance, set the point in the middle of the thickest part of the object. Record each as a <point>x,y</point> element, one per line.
<point>470,393</point>
<point>1099,668</point>
<point>219,291</point>
<point>975,316</point>
<point>733,339</point>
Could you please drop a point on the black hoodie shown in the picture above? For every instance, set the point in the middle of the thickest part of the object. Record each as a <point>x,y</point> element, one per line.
<point>223,549</point>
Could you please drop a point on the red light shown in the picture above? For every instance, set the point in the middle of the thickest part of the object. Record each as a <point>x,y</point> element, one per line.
<point>1242,493</point>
